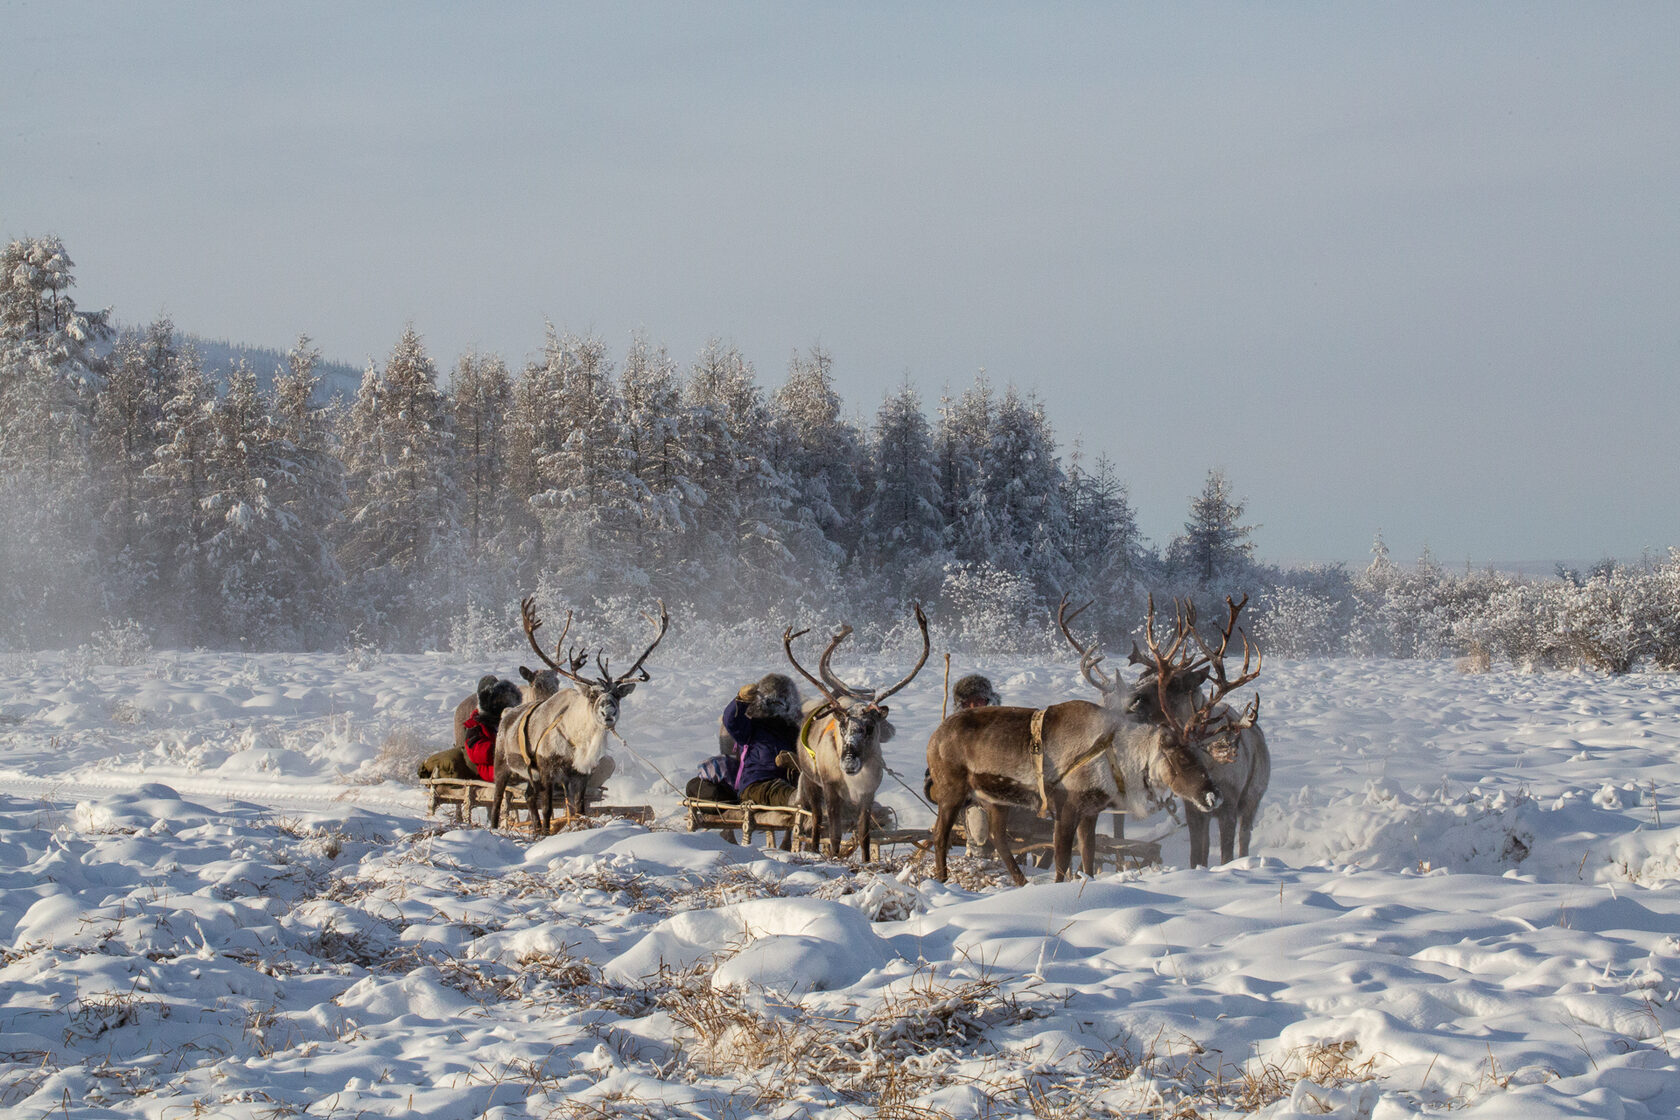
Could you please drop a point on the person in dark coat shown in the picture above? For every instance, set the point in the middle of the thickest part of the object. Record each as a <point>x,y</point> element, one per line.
<point>763,719</point>
<point>975,691</point>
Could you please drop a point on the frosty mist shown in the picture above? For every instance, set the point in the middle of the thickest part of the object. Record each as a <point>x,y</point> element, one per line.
<point>244,508</point>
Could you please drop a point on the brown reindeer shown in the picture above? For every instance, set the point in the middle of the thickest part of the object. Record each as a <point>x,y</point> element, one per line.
<point>561,739</point>
<point>1070,761</point>
<point>839,749</point>
<point>1170,692</point>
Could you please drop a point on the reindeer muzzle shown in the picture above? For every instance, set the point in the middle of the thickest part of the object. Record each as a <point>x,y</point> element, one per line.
<point>1211,801</point>
<point>851,762</point>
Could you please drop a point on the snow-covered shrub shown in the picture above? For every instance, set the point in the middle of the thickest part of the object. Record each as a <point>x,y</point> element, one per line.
<point>121,643</point>
<point>1594,624</point>
<point>1654,609</point>
<point>360,651</point>
<point>479,634</point>
<point>1297,623</point>
<point>984,609</point>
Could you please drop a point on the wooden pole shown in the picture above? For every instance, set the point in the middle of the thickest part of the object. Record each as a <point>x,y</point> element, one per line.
<point>945,700</point>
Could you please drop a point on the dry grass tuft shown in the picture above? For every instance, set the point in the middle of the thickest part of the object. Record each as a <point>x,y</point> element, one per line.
<point>398,759</point>
<point>1476,659</point>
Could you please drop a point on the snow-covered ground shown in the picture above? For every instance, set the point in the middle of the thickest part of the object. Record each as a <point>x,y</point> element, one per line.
<point>220,896</point>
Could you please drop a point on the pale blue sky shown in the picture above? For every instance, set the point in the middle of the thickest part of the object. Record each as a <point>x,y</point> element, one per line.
<point>1414,267</point>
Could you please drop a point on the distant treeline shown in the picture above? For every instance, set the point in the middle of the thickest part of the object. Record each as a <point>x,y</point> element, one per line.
<point>139,492</point>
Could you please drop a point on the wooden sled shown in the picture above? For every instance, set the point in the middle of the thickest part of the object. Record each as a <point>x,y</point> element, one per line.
<point>1031,843</point>
<point>732,817</point>
<point>746,818</point>
<point>464,797</point>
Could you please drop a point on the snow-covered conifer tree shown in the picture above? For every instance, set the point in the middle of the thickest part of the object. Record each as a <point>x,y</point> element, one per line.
<point>47,371</point>
<point>1105,547</point>
<point>651,394</point>
<point>821,456</point>
<point>1024,482</point>
<point>1215,550</point>
<point>737,547</point>
<point>401,498</point>
<point>962,440</point>
<point>481,394</point>
<point>309,489</point>
<point>588,496</point>
<point>127,431</point>
<point>177,524</point>
<point>903,533</point>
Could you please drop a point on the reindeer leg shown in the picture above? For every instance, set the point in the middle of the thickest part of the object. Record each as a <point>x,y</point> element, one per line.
<point>1228,832</point>
<point>942,825</point>
<point>834,817</point>
<point>1061,839</point>
<point>496,798</point>
<point>1000,841</point>
<point>534,798</point>
<point>1245,827</point>
<point>1087,833</point>
<point>1198,824</point>
<point>862,831</point>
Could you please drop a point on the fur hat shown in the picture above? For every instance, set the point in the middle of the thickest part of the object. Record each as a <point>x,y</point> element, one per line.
<point>774,697</point>
<point>495,696</point>
<point>975,688</point>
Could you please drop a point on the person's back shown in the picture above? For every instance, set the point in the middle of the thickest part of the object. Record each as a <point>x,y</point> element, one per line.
<point>764,720</point>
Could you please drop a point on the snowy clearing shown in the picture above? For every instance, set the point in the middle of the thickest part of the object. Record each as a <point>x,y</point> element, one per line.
<point>221,896</point>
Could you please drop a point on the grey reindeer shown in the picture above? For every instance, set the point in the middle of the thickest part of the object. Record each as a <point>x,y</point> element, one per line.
<point>560,740</point>
<point>1171,692</point>
<point>839,751</point>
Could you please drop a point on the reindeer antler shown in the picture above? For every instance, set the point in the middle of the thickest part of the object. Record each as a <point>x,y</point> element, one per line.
<point>1203,723</point>
<point>788,635</point>
<point>922,623</point>
<point>640,673</point>
<point>831,686</point>
<point>1089,656</point>
<point>529,620</point>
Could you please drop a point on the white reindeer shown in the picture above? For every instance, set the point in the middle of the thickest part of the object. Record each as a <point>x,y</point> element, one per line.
<point>561,740</point>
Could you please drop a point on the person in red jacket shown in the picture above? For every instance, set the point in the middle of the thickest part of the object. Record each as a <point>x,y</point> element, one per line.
<point>476,720</point>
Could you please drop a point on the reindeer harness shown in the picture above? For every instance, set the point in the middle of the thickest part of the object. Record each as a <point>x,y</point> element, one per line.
<point>1104,746</point>
<point>522,729</point>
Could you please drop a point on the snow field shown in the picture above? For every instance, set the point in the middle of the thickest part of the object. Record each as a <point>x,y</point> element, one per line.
<point>218,894</point>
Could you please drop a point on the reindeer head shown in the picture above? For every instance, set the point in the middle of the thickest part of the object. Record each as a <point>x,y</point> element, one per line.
<point>540,684</point>
<point>602,692</point>
<point>1174,766</point>
<point>859,714</point>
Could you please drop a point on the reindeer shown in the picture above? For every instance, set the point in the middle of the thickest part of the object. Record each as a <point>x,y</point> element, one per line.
<point>1069,761</point>
<point>1170,693</point>
<point>839,749</point>
<point>562,738</point>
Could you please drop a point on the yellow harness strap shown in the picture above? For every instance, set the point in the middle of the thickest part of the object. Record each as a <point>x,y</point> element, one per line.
<point>523,731</point>
<point>1038,753</point>
<point>1103,747</point>
<point>805,730</point>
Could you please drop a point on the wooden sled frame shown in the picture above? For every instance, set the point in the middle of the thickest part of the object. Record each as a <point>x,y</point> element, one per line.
<point>466,796</point>
<point>746,818</point>
<point>1034,845</point>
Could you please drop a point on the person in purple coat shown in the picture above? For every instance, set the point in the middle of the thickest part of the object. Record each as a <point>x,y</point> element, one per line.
<point>764,720</point>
